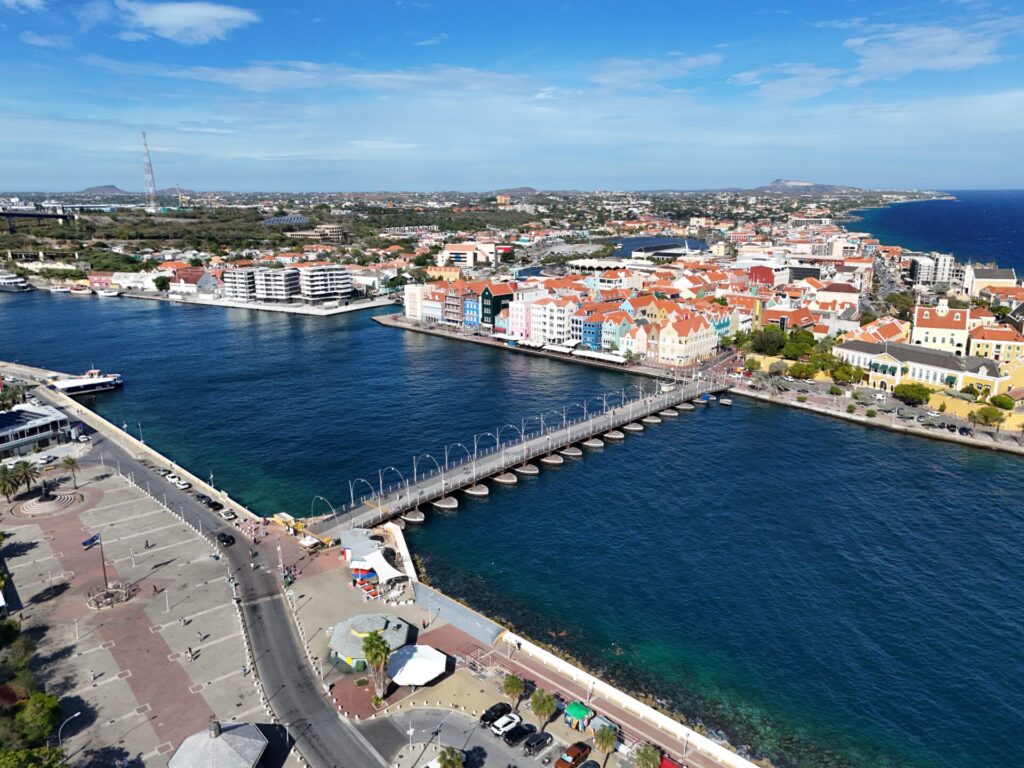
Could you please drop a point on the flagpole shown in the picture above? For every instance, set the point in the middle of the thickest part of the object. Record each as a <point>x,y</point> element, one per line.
<point>103,562</point>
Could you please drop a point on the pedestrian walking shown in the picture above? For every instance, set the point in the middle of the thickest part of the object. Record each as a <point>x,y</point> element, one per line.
<point>245,671</point>
<point>92,676</point>
<point>181,620</point>
<point>188,653</point>
<point>155,590</point>
<point>199,634</point>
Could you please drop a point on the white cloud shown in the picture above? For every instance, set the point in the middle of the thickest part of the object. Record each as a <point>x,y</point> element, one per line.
<point>268,77</point>
<point>24,5</point>
<point>133,36</point>
<point>433,40</point>
<point>93,13</point>
<point>625,73</point>
<point>790,82</point>
<point>184,22</point>
<point>896,53</point>
<point>45,41</point>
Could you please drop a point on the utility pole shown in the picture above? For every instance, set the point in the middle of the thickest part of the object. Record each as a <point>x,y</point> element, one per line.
<point>103,562</point>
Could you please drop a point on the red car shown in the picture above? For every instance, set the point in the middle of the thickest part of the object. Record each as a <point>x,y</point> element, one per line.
<point>573,756</point>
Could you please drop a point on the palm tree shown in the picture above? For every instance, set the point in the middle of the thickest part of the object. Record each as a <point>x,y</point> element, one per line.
<point>605,738</point>
<point>450,757</point>
<point>9,482</point>
<point>376,651</point>
<point>27,473</point>
<point>513,687</point>
<point>647,756</point>
<point>70,463</point>
<point>543,705</point>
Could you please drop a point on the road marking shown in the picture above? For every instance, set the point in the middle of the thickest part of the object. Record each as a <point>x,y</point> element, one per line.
<point>142,533</point>
<point>37,560</point>
<point>152,550</point>
<point>106,507</point>
<point>105,681</point>
<point>189,618</point>
<point>104,646</point>
<point>201,686</point>
<point>114,720</point>
<point>63,576</point>
<point>156,511</point>
<point>245,715</point>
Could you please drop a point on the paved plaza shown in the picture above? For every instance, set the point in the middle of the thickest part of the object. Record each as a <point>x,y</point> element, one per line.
<point>127,668</point>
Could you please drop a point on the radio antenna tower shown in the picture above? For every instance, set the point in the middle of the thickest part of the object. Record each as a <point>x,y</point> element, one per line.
<point>150,184</point>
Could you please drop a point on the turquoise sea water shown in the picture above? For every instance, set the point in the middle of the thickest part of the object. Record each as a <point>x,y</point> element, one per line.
<point>835,594</point>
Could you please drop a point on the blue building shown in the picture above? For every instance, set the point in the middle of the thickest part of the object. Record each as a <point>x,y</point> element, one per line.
<point>471,310</point>
<point>590,332</point>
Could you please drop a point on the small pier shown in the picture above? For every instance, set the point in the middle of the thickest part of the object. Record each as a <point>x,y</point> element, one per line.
<point>507,463</point>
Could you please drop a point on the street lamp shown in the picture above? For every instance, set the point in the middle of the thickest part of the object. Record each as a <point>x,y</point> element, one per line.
<point>60,744</point>
<point>141,438</point>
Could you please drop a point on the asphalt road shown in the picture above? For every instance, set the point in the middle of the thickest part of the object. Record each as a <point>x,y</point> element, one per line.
<point>295,694</point>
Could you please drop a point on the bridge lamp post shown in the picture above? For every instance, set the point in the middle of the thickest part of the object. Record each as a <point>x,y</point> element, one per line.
<point>60,744</point>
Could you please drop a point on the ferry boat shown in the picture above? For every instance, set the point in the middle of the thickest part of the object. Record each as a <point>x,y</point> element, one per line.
<point>11,283</point>
<point>59,289</point>
<point>80,290</point>
<point>107,292</point>
<point>89,382</point>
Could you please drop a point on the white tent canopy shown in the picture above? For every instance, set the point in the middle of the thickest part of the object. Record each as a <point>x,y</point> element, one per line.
<point>416,665</point>
<point>384,570</point>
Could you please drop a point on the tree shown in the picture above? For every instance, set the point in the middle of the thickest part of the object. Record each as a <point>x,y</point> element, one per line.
<point>450,757</point>
<point>605,738</point>
<point>912,394</point>
<point>990,416</point>
<point>37,717</point>
<point>162,283</point>
<point>767,341</point>
<point>376,651</point>
<point>777,368</point>
<point>1004,402</point>
<point>867,317</point>
<point>513,687</point>
<point>802,371</point>
<point>27,473</point>
<point>647,756</point>
<point>902,303</point>
<point>752,364</point>
<point>847,374</point>
<point>834,390</point>
<point>40,757</point>
<point>543,705</point>
<point>9,482</point>
<point>70,463</point>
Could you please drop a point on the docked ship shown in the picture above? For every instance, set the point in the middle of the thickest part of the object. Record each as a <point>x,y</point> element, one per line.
<point>80,290</point>
<point>107,292</point>
<point>11,283</point>
<point>59,289</point>
<point>88,383</point>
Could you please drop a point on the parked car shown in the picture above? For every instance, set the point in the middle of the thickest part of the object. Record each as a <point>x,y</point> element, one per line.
<point>966,431</point>
<point>84,438</point>
<point>573,756</point>
<point>951,427</point>
<point>515,736</point>
<point>591,764</point>
<point>493,713</point>
<point>921,418</point>
<point>934,414</point>
<point>225,538</point>
<point>504,724</point>
<point>163,472</point>
<point>45,459</point>
<point>788,378</point>
<point>183,485</point>
<point>202,497</point>
<point>170,477</point>
<point>536,743</point>
<point>216,506</point>
<point>227,514</point>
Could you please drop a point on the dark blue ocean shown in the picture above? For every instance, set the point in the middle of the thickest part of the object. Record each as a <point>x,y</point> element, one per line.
<point>833,594</point>
<point>979,225</point>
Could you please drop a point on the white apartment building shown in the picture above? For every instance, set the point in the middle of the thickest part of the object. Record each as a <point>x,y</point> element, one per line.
<point>414,294</point>
<point>324,282</point>
<point>277,284</point>
<point>240,284</point>
<point>551,320</point>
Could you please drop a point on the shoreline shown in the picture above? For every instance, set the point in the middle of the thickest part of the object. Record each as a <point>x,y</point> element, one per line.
<point>279,308</point>
<point>392,321</point>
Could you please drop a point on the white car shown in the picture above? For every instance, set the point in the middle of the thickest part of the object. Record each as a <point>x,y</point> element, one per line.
<point>183,485</point>
<point>227,514</point>
<point>933,414</point>
<point>172,478</point>
<point>788,378</point>
<point>43,460</point>
<point>505,724</point>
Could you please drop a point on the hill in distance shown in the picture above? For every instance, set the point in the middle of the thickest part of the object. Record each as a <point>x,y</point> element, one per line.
<point>107,190</point>
<point>793,187</point>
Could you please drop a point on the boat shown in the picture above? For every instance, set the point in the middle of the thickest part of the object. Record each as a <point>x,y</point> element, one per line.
<point>711,398</point>
<point>446,502</point>
<point>571,450</point>
<point>652,419</point>
<point>478,491</point>
<point>552,459</point>
<point>613,434</point>
<point>684,407</point>
<point>593,442</point>
<point>506,478</point>
<point>633,427</point>
<point>11,283</point>
<point>668,412</point>
<point>725,401</point>
<point>80,290</point>
<point>89,382</point>
<point>59,289</point>
<point>526,469</point>
<point>107,292</point>
<point>704,399</point>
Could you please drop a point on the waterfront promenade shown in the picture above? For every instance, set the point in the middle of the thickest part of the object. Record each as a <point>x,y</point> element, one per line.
<point>465,468</point>
<point>290,309</point>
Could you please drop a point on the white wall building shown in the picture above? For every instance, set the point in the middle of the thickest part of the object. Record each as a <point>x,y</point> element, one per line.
<point>240,284</point>
<point>324,282</point>
<point>277,284</point>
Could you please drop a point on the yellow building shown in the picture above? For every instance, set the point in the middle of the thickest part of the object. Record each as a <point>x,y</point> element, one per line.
<point>889,365</point>
<point>996,342</point>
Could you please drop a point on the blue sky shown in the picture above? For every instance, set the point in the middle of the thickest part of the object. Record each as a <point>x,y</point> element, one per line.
<point>424,95</point>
